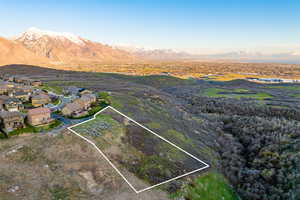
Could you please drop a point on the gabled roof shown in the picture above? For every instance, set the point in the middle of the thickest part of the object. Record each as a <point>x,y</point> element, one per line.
<point>21,93</point>
<point>12,100</point>
<point>38,111</point>
<point>74,106</point>
<point>41,96</point>
<point>6,114</point>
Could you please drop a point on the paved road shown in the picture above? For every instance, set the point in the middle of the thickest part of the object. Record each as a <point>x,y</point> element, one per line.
<point>66,123</point>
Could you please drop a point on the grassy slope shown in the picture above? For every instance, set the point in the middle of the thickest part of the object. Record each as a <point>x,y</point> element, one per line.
<point>216,92</point>
<point>211,186</point>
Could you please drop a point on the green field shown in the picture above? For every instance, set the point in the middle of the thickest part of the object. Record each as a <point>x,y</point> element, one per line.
<point>211,186</point>
<point>217,92</point>
<point>295,88</point>
<point>52,88</point>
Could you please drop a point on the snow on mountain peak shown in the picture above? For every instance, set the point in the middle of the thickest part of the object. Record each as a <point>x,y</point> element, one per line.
<point>35,33</point>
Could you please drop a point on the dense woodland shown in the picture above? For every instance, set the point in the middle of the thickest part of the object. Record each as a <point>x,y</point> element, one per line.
<point>259,146</point>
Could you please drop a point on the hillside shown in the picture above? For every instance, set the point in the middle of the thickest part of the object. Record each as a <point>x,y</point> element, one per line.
<point>247,132</point>
<point>13,52</point>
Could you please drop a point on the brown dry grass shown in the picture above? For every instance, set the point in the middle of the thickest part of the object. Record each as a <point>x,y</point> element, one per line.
<point>48,167</point>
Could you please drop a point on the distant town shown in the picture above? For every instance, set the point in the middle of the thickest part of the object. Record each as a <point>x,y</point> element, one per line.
<point>28,105</point>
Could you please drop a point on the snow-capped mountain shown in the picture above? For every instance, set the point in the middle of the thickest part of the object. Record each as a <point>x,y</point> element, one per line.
<point>69,48</point>
<point>36,34</point>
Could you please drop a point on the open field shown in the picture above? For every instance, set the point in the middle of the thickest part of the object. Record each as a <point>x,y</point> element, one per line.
<point>236,93</point>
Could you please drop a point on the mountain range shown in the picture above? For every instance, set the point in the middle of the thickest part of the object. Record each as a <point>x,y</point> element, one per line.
<point>36,46</point>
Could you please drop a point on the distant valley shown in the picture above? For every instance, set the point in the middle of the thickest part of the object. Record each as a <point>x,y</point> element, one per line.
<point>71,52</point>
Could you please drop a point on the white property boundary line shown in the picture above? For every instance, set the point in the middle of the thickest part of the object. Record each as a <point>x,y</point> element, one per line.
<point>113,166</point>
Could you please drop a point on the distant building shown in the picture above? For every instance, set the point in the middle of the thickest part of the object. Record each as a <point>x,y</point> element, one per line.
<point>13,105</point>
<point>10,121</point>
<point>72,90</point>
<point>85,91</point>
<point>39,116</point>
<point>3,89</point>
<point>19,79</point>
<point>3,98</point>
<point>9,78</point>
<point>36,83</point>
<point>23,96</point>
<point>40,100</point>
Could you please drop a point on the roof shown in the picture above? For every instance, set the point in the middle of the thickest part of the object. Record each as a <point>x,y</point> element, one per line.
<point>12,100</point>
<point>38,111</point>
<point>40,96</point>
<point>87,97</point>
<point>21,93</point>
<point>4,97</point>
<point>6,114</point>
<point>74,106</point>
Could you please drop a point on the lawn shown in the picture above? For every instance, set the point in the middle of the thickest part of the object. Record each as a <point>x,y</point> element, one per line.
<point>52,88</point>
<point>296,95</point>
<point>218,92</point>
<point>211,186</point>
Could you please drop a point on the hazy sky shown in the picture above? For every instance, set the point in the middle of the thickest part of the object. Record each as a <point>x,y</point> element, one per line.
<point>202,26</point>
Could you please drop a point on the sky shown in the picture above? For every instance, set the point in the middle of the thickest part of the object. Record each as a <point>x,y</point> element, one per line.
<point>211,26</point>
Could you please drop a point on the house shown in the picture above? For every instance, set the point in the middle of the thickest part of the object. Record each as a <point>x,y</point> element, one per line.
<point>80,106</point>
<point>27,89</point>
<point>3,89</point>
<point>10,121</point>
<point>9,78</point>
<point>40,100</point>
<point>39,116</point>
<point>23,96</point>
<point>2,100</point>
<point>85,91</point>
<point>19,79</point>
<point>74,109</point>
<point>13,105</point>
<point>86,100</point>
<point>72,90</point>
<point>36,83</point>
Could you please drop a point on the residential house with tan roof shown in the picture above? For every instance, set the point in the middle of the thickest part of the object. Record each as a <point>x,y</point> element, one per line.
<point>36,83</point>
<point>3,89</point>
<point>39,116</point>
<point>21,95</point>
<point>10,121</point>
<point>40,100</point>
<point>80,106</point>
<point>74,109</point>
<point>2,100</point>
<point>85,91</point>
<point>87,100</point>
<point>13,105</point>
